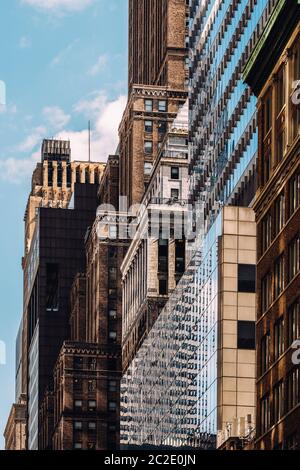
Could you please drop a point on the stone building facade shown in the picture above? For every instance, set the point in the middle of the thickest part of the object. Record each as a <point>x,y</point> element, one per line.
<point>15,430</point>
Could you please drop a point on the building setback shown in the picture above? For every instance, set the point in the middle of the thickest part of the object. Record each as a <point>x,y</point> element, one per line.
<point>273,72</point>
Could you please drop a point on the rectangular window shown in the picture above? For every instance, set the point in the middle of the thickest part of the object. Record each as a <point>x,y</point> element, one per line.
<point>279,214</point>
<point>92,426</point>
<point>267,109</point>
<point>163,287</point>
<point>77,385</point>
<point>265,414</point>
<point>280,89</point>
<point>279,338</point>
<point>266,292</point>
<point>148,168</point>
<point>278,402</point>
<point>293,323</point>
<point>162,127</point>
<point>294,193</point>
<point>266,232</point>
<point>246,334</point>
<point>175,193</point>
<point>149,127</point>
<point>112,335</point>
<point>179,256</point>
<point>294,260</point>
<point>148,106</point>
<point>112,314</point>
<point>52,289</point>
<point>246,277</point>
<point>112,385</point>
<point>78,404</point>
<point>175,173</point>
<point>77,446</point>
<point>278,276</point>
<point>163,255</point>
<point>292,389</point>
<point>148,147</point>
<point>112,406</point>
<point>92,404</point>
<point>78,425</point>
<point>265,353</point>
<point>92,385</point>
<point>112,274</point>
<point>162,106</point>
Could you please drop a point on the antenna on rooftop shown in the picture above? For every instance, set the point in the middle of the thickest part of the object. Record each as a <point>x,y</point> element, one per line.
<point>89,141</point>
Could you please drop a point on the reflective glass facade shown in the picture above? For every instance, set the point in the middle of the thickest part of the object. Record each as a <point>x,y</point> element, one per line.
<point>169,393</point>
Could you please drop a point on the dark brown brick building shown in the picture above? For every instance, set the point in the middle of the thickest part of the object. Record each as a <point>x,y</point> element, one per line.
<point>157,87</point>
<point>274,73</point>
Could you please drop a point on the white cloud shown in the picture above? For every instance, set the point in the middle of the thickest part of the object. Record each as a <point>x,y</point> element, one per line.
<point>106,117</point>
<point>24,42</point>
<point>99,66</point>
<point>104,136</point>
<point>59,6</point>
<point>61,56</point>
<point>56,117</point>
<point>15,170</point>
<point>32,139</point>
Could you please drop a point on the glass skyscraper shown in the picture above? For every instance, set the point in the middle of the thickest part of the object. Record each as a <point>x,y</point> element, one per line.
<point>193,380</point>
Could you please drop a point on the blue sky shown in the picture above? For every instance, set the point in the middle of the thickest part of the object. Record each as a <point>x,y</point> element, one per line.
<point>63,62</point>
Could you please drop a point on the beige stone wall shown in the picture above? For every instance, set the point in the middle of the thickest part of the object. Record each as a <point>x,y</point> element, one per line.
<point>237,371</point>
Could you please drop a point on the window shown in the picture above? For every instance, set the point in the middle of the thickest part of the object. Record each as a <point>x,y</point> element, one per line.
<point>112,406</point>
<point>294,193</point>
<point>149,127</point>
<point>77,385</point>
<point>279,214</point>
<point>266,292</point>
<point>266,232</point>
<point>92,404</point>
<point>280,89</point>
<point>92,426</point>
<point>293,323</point>
<point>246,334</point>
<point>148,168</point>
<point>162,106</point>
<point>148,147</point>
<point>112,314</point>
<point>112,385</point>
<point>113,232</point>
<point>163,255</point>
<point>112,274</point>
<point>265,352</point>
<point>278,401</point>
<point>296,78</point>
<point>278,276</point>
<point>265,413</point>
<point>162,127</point>
<point>292,389</point>
<point>52,289</point>
<point>78,362</point>
<point>179,256</point>
<point>112,335</point>
<point>92,385</point>
<point>78,404</point>
<point>163,287</point>
<point>279,338</point>
<point>246,277</point>
<point>294,258</point>
<point>149,106</point>
<point>78,425</point>
<point>92,363</point>
<point>112,293</point>
<point>267,108</point>
<point>77,446</point>
<point>175,173</point>
<point>175,193</point>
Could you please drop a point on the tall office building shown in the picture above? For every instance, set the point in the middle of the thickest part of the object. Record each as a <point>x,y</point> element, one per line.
<point>157,87</point>
<point>56,219</point>
<point>273,72</point>
<point>198,365</point>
